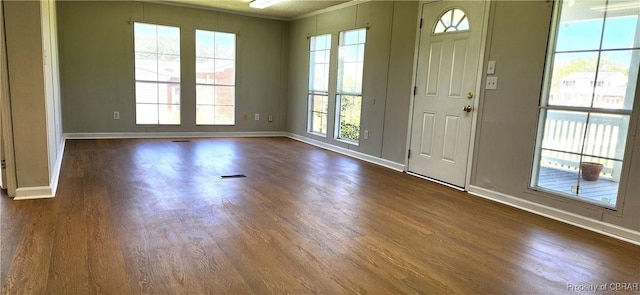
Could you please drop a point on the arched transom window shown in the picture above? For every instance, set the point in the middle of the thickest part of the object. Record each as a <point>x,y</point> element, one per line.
<point>453,20</point>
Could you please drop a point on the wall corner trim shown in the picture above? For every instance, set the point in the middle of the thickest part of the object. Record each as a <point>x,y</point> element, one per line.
<point>55,177</point>
<point>347,152</point>
<point>43,192</point>
<point>597,226</point>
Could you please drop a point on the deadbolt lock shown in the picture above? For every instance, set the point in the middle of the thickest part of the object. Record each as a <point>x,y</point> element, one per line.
<point>469,95</point>
<point>467,108</point>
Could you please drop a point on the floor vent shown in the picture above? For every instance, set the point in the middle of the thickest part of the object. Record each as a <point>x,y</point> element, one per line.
<point>181,140</point>
<point>233,176</point>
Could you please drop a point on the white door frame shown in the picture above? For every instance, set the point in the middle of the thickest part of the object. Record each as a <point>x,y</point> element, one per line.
<point>479,90</point>
<point>6,131</point>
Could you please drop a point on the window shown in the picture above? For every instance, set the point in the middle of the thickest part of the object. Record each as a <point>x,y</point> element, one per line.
<point>157,74</point>
<point>349,90</point>
<point>453,20</point>
<point>215,78</point>
<point>581,137</point>
<point>319,55</point>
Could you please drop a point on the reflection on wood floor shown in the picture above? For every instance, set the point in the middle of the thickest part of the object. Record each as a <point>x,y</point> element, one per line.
<point>155,216</point>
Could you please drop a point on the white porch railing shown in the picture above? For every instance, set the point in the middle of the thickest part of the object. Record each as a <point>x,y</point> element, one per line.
<point>604,141</point>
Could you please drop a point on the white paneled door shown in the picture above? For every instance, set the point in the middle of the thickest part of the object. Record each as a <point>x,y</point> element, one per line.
<point>446,82</point>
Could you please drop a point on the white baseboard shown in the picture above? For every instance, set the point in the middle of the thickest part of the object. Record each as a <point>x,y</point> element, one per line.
<point>119,135</point>
<point>35,192</point>
<point>598,226</point>
<point>348,152</point>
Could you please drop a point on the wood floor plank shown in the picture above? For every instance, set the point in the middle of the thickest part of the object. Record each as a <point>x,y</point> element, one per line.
<point>154,216</point>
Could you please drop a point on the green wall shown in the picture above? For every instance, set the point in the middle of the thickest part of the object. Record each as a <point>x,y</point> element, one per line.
<point>96,56</point>
<point>388,68</point>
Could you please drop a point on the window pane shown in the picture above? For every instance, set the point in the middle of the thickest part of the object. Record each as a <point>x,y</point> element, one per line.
<point>225,46</point>
<point>598,182</point>
<point>169,114</point>
<point>205,94</point>
<point>319,103</point>
<point>620,29</point>
<point>615,87</point>
<point>606,136</point>
<point>320,77</point>
<point>564,131</point>
<point>169,93</point>
<point>205,44</point>
<point>572,79</point>
<point>215,105</point>
<point>205,70</point>
<point>146,92</point>
<point>319,123</point>
<point>321,42</point>
<point>554,174</point>
<point>225,72</point>
<point>146,114</point>
<point>464,24</point>
<point>146,66</point>
<point>580,26</point>
<point>169,68</point>
<point>350,110</point>
<point>349,37</point>
<point>225,95</point>
<point>446,18</point>
<point>319,109</point>
<point>168,40</point>
<point>224,115</point>
<point>205,114</point>
<point>145,38</point>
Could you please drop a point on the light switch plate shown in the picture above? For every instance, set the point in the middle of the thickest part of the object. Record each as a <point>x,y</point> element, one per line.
<point>492,83</point>
<point>491,67</point>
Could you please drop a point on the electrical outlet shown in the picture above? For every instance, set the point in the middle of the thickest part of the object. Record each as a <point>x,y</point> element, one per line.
<point>116,115</point>
<point>366,134</point>
<point>492,83</point>
<point>270,118</point>
<point>256,117</point>
<point>245,117</point>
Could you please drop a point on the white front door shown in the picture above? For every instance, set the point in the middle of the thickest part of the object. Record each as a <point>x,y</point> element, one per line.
<point>446,82</point>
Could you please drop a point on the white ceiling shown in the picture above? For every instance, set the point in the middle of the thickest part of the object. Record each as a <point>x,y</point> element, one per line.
<point>287,9</point>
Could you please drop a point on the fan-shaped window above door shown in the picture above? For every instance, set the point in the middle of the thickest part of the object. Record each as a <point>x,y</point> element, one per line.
<point>453,20</point>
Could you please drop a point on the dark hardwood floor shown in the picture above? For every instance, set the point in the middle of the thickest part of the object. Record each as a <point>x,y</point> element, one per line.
<point>155,217</point>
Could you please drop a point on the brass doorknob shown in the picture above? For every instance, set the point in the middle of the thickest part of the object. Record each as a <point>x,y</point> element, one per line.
<point>467,108</point>
<point>469,95</point>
